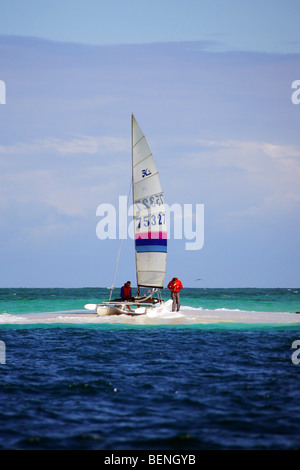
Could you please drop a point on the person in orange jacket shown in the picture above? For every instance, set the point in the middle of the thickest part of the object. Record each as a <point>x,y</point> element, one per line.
<point>175,286</point>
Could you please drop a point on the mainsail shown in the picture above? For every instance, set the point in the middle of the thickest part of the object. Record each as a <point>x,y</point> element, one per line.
<point>149,212</point>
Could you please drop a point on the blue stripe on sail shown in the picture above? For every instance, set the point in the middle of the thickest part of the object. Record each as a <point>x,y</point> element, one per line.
<point>151,241</point>
<point>151,248</point>
<point>143,245</point>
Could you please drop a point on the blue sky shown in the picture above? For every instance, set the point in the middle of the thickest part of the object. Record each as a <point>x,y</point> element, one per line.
<point>210,85</point>
<point>268,25</point>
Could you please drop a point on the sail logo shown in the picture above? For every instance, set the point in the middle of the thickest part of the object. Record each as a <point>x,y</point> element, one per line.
<point>2,353</point>
<point>296,94</point>
<point>2,92</point>
<point>184,222</point>
<point>146,172</point>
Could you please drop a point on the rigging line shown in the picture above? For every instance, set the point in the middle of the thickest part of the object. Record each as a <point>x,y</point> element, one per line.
<point>120,245</point>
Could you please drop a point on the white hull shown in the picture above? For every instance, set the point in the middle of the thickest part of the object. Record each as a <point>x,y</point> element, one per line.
<point>132,309</point>
<point>104,311</point>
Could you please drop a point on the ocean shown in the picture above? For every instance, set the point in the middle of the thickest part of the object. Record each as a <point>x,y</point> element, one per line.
<point>198,379</point>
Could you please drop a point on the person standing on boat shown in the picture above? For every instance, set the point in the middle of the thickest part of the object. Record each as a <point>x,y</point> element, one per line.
<point>126,292</point>
<point>175,286</point>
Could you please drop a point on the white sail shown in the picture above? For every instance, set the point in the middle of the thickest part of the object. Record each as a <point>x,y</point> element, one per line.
<point>149,214</point>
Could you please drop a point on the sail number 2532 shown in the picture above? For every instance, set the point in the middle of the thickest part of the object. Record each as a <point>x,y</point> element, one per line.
<point>151,201</point>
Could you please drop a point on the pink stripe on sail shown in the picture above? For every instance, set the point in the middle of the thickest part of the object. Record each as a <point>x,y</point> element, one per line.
<point>151,235</point>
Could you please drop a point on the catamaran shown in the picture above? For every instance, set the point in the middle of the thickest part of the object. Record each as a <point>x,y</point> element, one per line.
<point>150,232</point>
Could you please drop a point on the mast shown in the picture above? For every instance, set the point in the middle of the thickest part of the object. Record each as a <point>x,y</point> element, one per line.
<point>132,182</point>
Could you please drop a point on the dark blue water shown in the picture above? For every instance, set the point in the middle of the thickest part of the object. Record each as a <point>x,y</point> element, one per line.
<point>149,387</point>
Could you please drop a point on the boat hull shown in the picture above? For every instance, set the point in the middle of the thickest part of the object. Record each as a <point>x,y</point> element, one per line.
<point>128,309</point>
<point>105,311</point>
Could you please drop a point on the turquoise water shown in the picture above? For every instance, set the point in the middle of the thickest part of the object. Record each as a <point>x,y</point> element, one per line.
<point>56,299</point>
<point>148,387</point>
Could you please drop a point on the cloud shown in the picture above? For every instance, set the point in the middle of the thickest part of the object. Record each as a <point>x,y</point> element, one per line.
<point>70,192</point>
<point>280,151</point>
<point>243,179</point>
<point>246,150</point>
<point>78,144</point>
<point>36,173</point>
<point>250,156</point>
<point>87,144</point>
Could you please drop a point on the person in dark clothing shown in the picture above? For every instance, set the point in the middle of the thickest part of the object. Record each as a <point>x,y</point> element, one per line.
<point>126,292</point>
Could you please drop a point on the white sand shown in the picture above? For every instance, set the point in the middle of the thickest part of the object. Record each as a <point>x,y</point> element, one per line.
<point>187,315</point>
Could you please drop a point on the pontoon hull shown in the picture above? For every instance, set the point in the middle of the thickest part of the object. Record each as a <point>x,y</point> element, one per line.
<point>128,308</point>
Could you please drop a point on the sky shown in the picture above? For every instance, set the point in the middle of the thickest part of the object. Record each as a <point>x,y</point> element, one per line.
<point>210,84</point>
